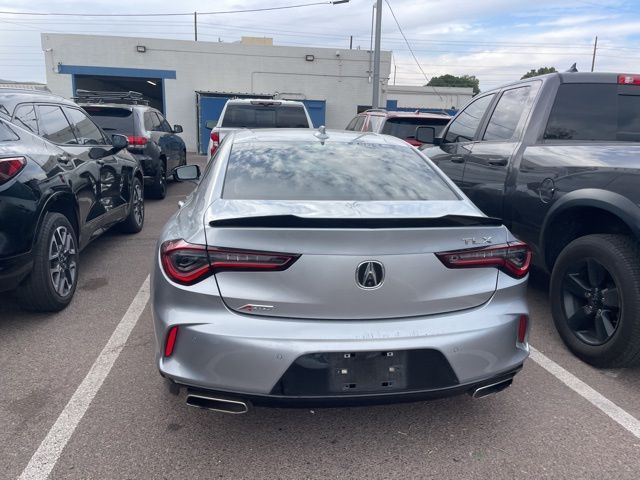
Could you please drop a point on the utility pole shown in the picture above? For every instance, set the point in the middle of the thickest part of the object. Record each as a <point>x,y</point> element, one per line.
<point>351,42</point>
<point>595,47</point>
<point>375,103</point>
<point>395,70</point>
<point>195,25</point>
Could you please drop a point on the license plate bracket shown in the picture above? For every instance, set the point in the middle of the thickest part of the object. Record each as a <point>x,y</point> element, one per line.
<point>356,372</point>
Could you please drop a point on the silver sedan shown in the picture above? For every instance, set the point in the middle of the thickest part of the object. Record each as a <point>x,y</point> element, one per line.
<point>324,268</point>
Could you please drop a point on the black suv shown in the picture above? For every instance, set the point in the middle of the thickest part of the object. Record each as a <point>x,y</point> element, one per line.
<point>62,183</point>
<point>151,139</point>
<point>556,158</point>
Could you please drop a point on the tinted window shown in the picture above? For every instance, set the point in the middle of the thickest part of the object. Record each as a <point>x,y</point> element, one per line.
<point>507,114</point>
<point>54,125</point>
<point>352,124</point>
<point>7,134</point>
<point>464,126</point>
<point>112,120</point>
<point>333,171</point>
<point>25,116</point>
<point>151,122</point>
<point>264,116</point>
<point>595,112</point>
<point>86,131</point>
<point>164,125</point>
<point>375,122</point>
<point>359,123</point>
<point>405,127</point>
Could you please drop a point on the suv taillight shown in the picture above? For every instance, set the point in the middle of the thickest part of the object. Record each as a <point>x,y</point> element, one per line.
<point>514,258</point>
<point>10,167</point>
<point>215,142</point>
<point>626,79</point>
<point>137,141</point>
<point>188,263</point>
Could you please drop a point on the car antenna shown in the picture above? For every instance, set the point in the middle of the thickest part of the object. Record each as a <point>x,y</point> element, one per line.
<point>321,134</point>
<point>573,68</point>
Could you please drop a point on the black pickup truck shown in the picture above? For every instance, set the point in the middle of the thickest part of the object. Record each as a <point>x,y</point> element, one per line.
<point>557,158</point>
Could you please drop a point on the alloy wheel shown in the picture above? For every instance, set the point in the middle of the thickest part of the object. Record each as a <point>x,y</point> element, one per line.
<point>138,204</point>
<point>62,260</point>
<point>591,302</point>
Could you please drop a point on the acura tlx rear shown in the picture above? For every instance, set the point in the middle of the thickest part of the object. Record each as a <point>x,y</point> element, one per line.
<point>331,268</point>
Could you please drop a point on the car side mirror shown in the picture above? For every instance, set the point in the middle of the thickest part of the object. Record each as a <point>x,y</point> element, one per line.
<point>119,142</point>
<point>186,173</point>
<point>211,124</point>
<point>425,134</point>
<point>177,129</point>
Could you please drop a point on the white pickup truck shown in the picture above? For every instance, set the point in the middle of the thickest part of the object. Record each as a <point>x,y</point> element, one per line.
<point>257,113</point>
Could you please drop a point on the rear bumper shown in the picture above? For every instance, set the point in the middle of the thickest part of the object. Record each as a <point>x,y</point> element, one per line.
<point>248,356</point>
<point>14,269</point>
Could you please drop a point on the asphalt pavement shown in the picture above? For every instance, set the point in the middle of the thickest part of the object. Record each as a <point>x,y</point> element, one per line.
<point>134,428</point>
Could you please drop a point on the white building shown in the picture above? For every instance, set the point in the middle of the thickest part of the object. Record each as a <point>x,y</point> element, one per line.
<point>452,98</point>
<point>190,80</point>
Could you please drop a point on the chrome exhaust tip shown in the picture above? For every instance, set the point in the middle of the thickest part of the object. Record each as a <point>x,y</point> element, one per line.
<point>217,404</point>
<point>487,390</point>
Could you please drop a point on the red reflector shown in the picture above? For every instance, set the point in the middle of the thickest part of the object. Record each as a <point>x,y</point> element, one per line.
<point>522,328</point>
<point>10,167</point>
<point>626,79</point>
<point>171,341</point>
<point>215,142</point>
<point>514,258</point>
<point>187,263</point>
<point>135,140</point>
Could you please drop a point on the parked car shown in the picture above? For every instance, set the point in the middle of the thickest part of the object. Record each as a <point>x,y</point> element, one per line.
<point>254,113</point>
<point>62,184</point>
<point>152,141</point>
<point>307,268</point>
<point>556,158</point>
<point>399,124</point>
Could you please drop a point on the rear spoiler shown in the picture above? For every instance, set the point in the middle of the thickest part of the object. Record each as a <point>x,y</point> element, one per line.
<point>293,221</point>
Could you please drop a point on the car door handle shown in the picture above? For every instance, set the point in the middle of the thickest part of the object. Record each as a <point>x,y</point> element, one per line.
<point>497,161</point>
<point>100,162</point>
<point>64,158</point>
<point>457,158</point>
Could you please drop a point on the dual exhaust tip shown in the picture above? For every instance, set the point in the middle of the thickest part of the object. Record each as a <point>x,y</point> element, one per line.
<point>237,407</point>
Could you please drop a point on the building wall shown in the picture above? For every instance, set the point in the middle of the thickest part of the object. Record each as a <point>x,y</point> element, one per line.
<point>341,77</point>
<point>429,97</point>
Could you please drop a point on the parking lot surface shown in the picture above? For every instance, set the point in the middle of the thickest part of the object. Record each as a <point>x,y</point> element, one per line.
<point>134,428</point>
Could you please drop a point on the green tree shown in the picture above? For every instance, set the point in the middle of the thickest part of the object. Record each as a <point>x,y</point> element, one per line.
<point>454,81</point>
<point>540,71</point>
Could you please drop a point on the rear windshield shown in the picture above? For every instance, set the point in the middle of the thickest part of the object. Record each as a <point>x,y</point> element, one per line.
<point>112,119</point>
<point>265,116</point>
<point>405,127</point>
<point>333,171</point>
<point>600,112</point>
<point>7,134</point>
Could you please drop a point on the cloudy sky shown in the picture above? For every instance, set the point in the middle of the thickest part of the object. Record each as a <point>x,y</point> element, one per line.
<point>496,40</point>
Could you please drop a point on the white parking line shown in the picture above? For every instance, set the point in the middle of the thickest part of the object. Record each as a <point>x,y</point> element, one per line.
<point>613,411</point>
<point>49,451</point>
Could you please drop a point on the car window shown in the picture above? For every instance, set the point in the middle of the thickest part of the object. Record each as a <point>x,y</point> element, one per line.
<point>317,171</point>
<point>86,131</point>
<point>54,126</point>
<point>595,112</point>
<point>359,123</point>
<point>405,127</point>
<point>25,116</point>
<point>375,122</point>
<point>151,121</point>
<point>352,123</point>
<point>264,116</point>
<point>513,105</point>
<point>163,124</point>
<point>7,134</point>
<point>112,119</point>
<point>464,126</point>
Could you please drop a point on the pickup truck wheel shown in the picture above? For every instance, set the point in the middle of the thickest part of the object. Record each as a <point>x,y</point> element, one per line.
<point>595,299</point>
<point>53,280</point>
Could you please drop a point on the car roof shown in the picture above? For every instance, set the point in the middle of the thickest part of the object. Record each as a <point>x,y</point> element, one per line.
<point>245,101</point>
<point>125,106</point>
<point>10,97</point>
<point>312,135</point>
<point>400,114</point>
<point>564,77</point>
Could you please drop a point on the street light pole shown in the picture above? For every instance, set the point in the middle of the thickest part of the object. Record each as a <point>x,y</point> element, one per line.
<point>375,103</point>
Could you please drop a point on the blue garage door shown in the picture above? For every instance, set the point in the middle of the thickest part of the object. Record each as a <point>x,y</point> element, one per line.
<point>316,109</point>
<point>209,108</point>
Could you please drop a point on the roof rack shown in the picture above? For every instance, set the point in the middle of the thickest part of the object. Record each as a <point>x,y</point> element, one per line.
<point>375,110</point>
<point>96,96</point>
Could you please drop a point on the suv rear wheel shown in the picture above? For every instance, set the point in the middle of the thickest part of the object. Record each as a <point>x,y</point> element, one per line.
<point>595,299</point>
<point>159,188</point>
<point>53,280</point>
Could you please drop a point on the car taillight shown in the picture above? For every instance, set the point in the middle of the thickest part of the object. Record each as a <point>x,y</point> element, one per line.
<point>626,79</point>
<point>188,263</point>
<point>171,341</point>
<point>522,328</point>
<point>137,141</point>
<point>215,142</point>
<point>514,258</point>
<point>10,167</point>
